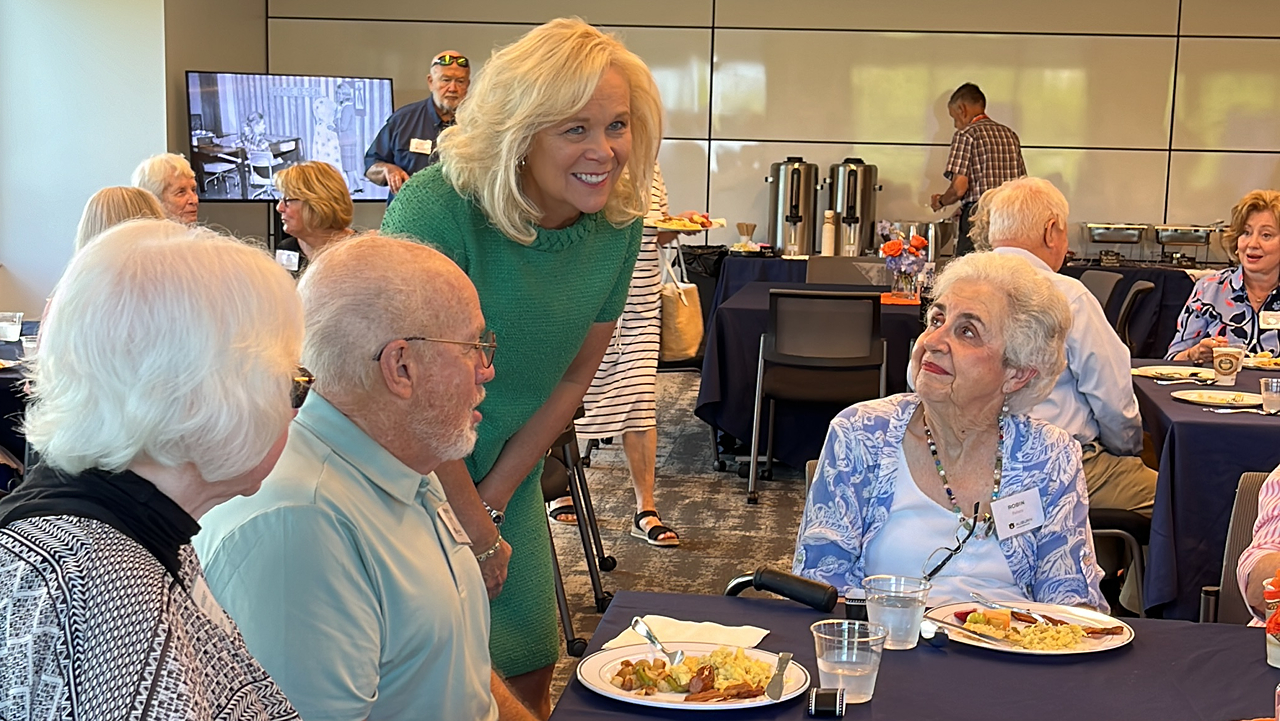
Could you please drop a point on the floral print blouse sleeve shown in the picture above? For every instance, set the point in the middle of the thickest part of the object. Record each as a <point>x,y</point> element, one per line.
<point>1219,307</point>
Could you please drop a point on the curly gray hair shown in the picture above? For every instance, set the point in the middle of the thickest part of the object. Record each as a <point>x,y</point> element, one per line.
<point>1035,330</point>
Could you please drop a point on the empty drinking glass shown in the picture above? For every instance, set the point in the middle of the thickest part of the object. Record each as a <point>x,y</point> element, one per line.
<point>1271,395</point>
<point>897,604</point>
<point>10,327</point>
<point>848,656</point>
<point>28,346</point>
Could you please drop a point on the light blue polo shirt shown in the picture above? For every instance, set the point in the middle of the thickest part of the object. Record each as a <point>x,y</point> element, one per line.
<point>348,586</point>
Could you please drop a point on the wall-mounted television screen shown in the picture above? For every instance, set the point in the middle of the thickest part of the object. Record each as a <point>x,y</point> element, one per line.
<point>247,127</point>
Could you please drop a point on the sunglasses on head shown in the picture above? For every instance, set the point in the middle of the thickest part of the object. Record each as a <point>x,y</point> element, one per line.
<point>448,59</point>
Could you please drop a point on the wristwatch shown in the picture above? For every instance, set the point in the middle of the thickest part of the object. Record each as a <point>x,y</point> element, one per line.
<point>497,516</point>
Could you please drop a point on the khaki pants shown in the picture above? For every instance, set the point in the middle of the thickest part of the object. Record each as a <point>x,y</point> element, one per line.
<point>1122,482</point>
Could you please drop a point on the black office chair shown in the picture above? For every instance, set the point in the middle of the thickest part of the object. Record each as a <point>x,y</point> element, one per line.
<point>1223,603</point>
<point>563,471</point>
<point>819,346</point>
<point>1102,283</point>
<point>1137,292</point>
<point>1134,530</point>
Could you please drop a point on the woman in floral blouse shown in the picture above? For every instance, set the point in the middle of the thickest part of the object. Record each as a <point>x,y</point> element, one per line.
<point>906,485</point>
<point>1240,305</point>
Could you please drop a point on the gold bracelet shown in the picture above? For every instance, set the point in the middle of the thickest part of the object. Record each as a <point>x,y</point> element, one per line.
<point>481,558</point>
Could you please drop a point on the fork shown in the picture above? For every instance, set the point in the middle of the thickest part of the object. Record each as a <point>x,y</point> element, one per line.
<point>1242,410</point>
<point>1197,381</point>
<point>639,626</point>
<point>993,604</point>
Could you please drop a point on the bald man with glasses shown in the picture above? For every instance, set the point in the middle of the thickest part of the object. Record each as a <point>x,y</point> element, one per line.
<point>408,142</point>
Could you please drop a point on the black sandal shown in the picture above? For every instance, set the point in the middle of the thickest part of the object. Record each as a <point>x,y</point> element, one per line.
<point>558,509</point>
<point>651,536</point>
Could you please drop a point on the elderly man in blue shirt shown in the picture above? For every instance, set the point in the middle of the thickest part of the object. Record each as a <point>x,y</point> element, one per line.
<point>408,142</point>
<point>348,574</point>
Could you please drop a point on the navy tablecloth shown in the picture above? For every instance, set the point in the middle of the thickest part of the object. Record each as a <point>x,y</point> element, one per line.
<point>1202,456</point>
<point>1155,317</point>
<point>1171,670</point>
<point>737,271</point>
<point>726,398</point>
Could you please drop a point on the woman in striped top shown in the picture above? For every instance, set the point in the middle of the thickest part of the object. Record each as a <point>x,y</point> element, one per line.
<point>622,399</point>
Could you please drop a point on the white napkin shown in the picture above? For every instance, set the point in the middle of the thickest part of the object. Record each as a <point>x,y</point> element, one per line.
<point>670,630</point>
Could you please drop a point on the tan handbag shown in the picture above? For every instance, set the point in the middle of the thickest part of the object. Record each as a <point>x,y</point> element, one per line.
<point>681,313</point>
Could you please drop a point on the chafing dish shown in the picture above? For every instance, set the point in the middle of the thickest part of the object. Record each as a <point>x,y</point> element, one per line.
<point>1116,232</point>
<point>1184,234</point>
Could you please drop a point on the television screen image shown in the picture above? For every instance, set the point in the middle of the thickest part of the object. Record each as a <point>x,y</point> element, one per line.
<point>247,127</point>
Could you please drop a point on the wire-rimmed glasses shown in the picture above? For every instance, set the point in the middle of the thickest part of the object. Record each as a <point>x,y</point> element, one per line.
<point>942,556</point>
<point>487,344</point>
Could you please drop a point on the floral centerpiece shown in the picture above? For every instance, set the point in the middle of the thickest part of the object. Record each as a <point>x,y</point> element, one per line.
<point>905,259</point>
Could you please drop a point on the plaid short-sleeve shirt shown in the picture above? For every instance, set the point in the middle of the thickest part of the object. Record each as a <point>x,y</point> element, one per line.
<point>988,154</point>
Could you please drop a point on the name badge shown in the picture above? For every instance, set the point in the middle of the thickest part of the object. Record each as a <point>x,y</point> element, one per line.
<point>1017,514</point>
<point>1270,319</point>
<point>204,599</point>
<point>287,258</point>
<point>418,145</point>
<point>450,522</point>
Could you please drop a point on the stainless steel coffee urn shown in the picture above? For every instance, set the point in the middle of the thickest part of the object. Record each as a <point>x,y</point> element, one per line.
<point>793,206</point>
<point>852,187</point>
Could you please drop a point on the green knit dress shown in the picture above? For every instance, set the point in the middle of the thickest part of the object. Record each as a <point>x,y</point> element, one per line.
<point>540,300</point>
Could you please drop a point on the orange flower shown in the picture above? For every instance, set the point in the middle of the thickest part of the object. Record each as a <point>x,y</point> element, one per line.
<point>919,243</point>
<point>913,251</point>
<point>892,248</point>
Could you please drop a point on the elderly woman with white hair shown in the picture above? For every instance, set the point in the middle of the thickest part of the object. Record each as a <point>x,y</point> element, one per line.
<point>921,484</point>
<point>170,178</point>
<point>161,389</point>
<point>538,197</point>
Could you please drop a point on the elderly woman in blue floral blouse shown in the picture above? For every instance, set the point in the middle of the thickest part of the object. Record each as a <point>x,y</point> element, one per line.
<point>1240,305</point>
<point>954,482</point>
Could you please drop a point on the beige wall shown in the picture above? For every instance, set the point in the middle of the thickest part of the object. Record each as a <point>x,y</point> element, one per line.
<point>81,102</point>
<point>1141,111</point>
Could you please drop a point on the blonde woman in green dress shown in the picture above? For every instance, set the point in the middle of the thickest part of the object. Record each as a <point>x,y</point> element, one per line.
<point>538,197</point>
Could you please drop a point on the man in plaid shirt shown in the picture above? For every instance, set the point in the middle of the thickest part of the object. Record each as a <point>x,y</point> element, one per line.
<point>984,154</point>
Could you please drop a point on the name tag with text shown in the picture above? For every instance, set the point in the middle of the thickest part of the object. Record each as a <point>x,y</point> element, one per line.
<point>1017,514</point>
<point>418,145</point>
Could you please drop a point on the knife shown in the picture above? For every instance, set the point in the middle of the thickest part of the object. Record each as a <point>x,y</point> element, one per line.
<point>774,689</point>
<point>971,632</point>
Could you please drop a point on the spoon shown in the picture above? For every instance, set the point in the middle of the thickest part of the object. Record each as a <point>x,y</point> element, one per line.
<point>992,604</point>
<point>639,626</point>
<point>1241,410</point>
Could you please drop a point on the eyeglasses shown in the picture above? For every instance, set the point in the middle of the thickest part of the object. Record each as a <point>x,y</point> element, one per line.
<point>448,59</point>
<point>932,566</point>
<point>487,345</point>
<point>286,201</point>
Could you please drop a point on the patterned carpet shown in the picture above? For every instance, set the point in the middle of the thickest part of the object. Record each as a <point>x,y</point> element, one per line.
<point>721,536</point>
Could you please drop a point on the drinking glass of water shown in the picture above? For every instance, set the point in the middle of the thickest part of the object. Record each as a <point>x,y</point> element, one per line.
<point>848,656</point>
<point>1271,395</point>
<point>897,604</point>
<point>10,327</point>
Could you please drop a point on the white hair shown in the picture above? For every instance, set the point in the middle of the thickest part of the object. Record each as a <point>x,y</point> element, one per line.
<point>1018,214</point>
<point>167,343</point>
<point>1035,329</point>
<point>159,171</point>
<point>364,292</point>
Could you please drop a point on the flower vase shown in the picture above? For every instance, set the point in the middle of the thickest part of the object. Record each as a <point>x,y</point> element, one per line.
<point>905,286</point>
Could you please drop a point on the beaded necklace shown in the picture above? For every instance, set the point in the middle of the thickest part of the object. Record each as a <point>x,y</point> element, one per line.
<point>987,521</point>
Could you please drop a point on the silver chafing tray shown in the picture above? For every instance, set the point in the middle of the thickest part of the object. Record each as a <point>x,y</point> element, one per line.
<point>1116,232</point>
<point>1184,234</point>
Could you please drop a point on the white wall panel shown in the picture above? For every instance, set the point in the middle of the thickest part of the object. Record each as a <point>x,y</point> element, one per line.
<point>1259,18</point>
<point>1228,95</point>
<point>1081,16</point>
<point>597,12</point>
<point>893,87</point>
<point>1204,186</point>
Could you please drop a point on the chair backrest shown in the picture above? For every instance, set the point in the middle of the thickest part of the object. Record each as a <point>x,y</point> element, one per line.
<point>1231,605</point>
<point>846,271</point>
<point>1136,291</point>
<point>1102,283</point>
<point>835,328</point>
<point>260,163</point>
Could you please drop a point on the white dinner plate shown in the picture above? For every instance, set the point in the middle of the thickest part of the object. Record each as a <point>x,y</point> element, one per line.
<point>663,225</point>
<point>595,670</point>
<point>1172,372</point>
<point>1262,364</point>
<point>1225,399</point>
<point>1070,614</point>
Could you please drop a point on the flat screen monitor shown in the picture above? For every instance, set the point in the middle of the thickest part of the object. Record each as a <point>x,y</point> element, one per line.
<point>246,127</point>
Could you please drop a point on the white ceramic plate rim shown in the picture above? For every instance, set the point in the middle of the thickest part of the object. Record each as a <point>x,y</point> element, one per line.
<point>1178,371</point>
<point>1256,364</point>
<point>1082,616</point>
<point>1203,397</point>
<point>595,670</point>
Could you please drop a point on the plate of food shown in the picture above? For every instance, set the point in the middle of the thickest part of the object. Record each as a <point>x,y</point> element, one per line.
<point>1065,630</point>
<point>1264,361</point>
<point>1171,373</point>
<point>698,222</point>
<point>711,677</point>
<point>1223,399</point>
